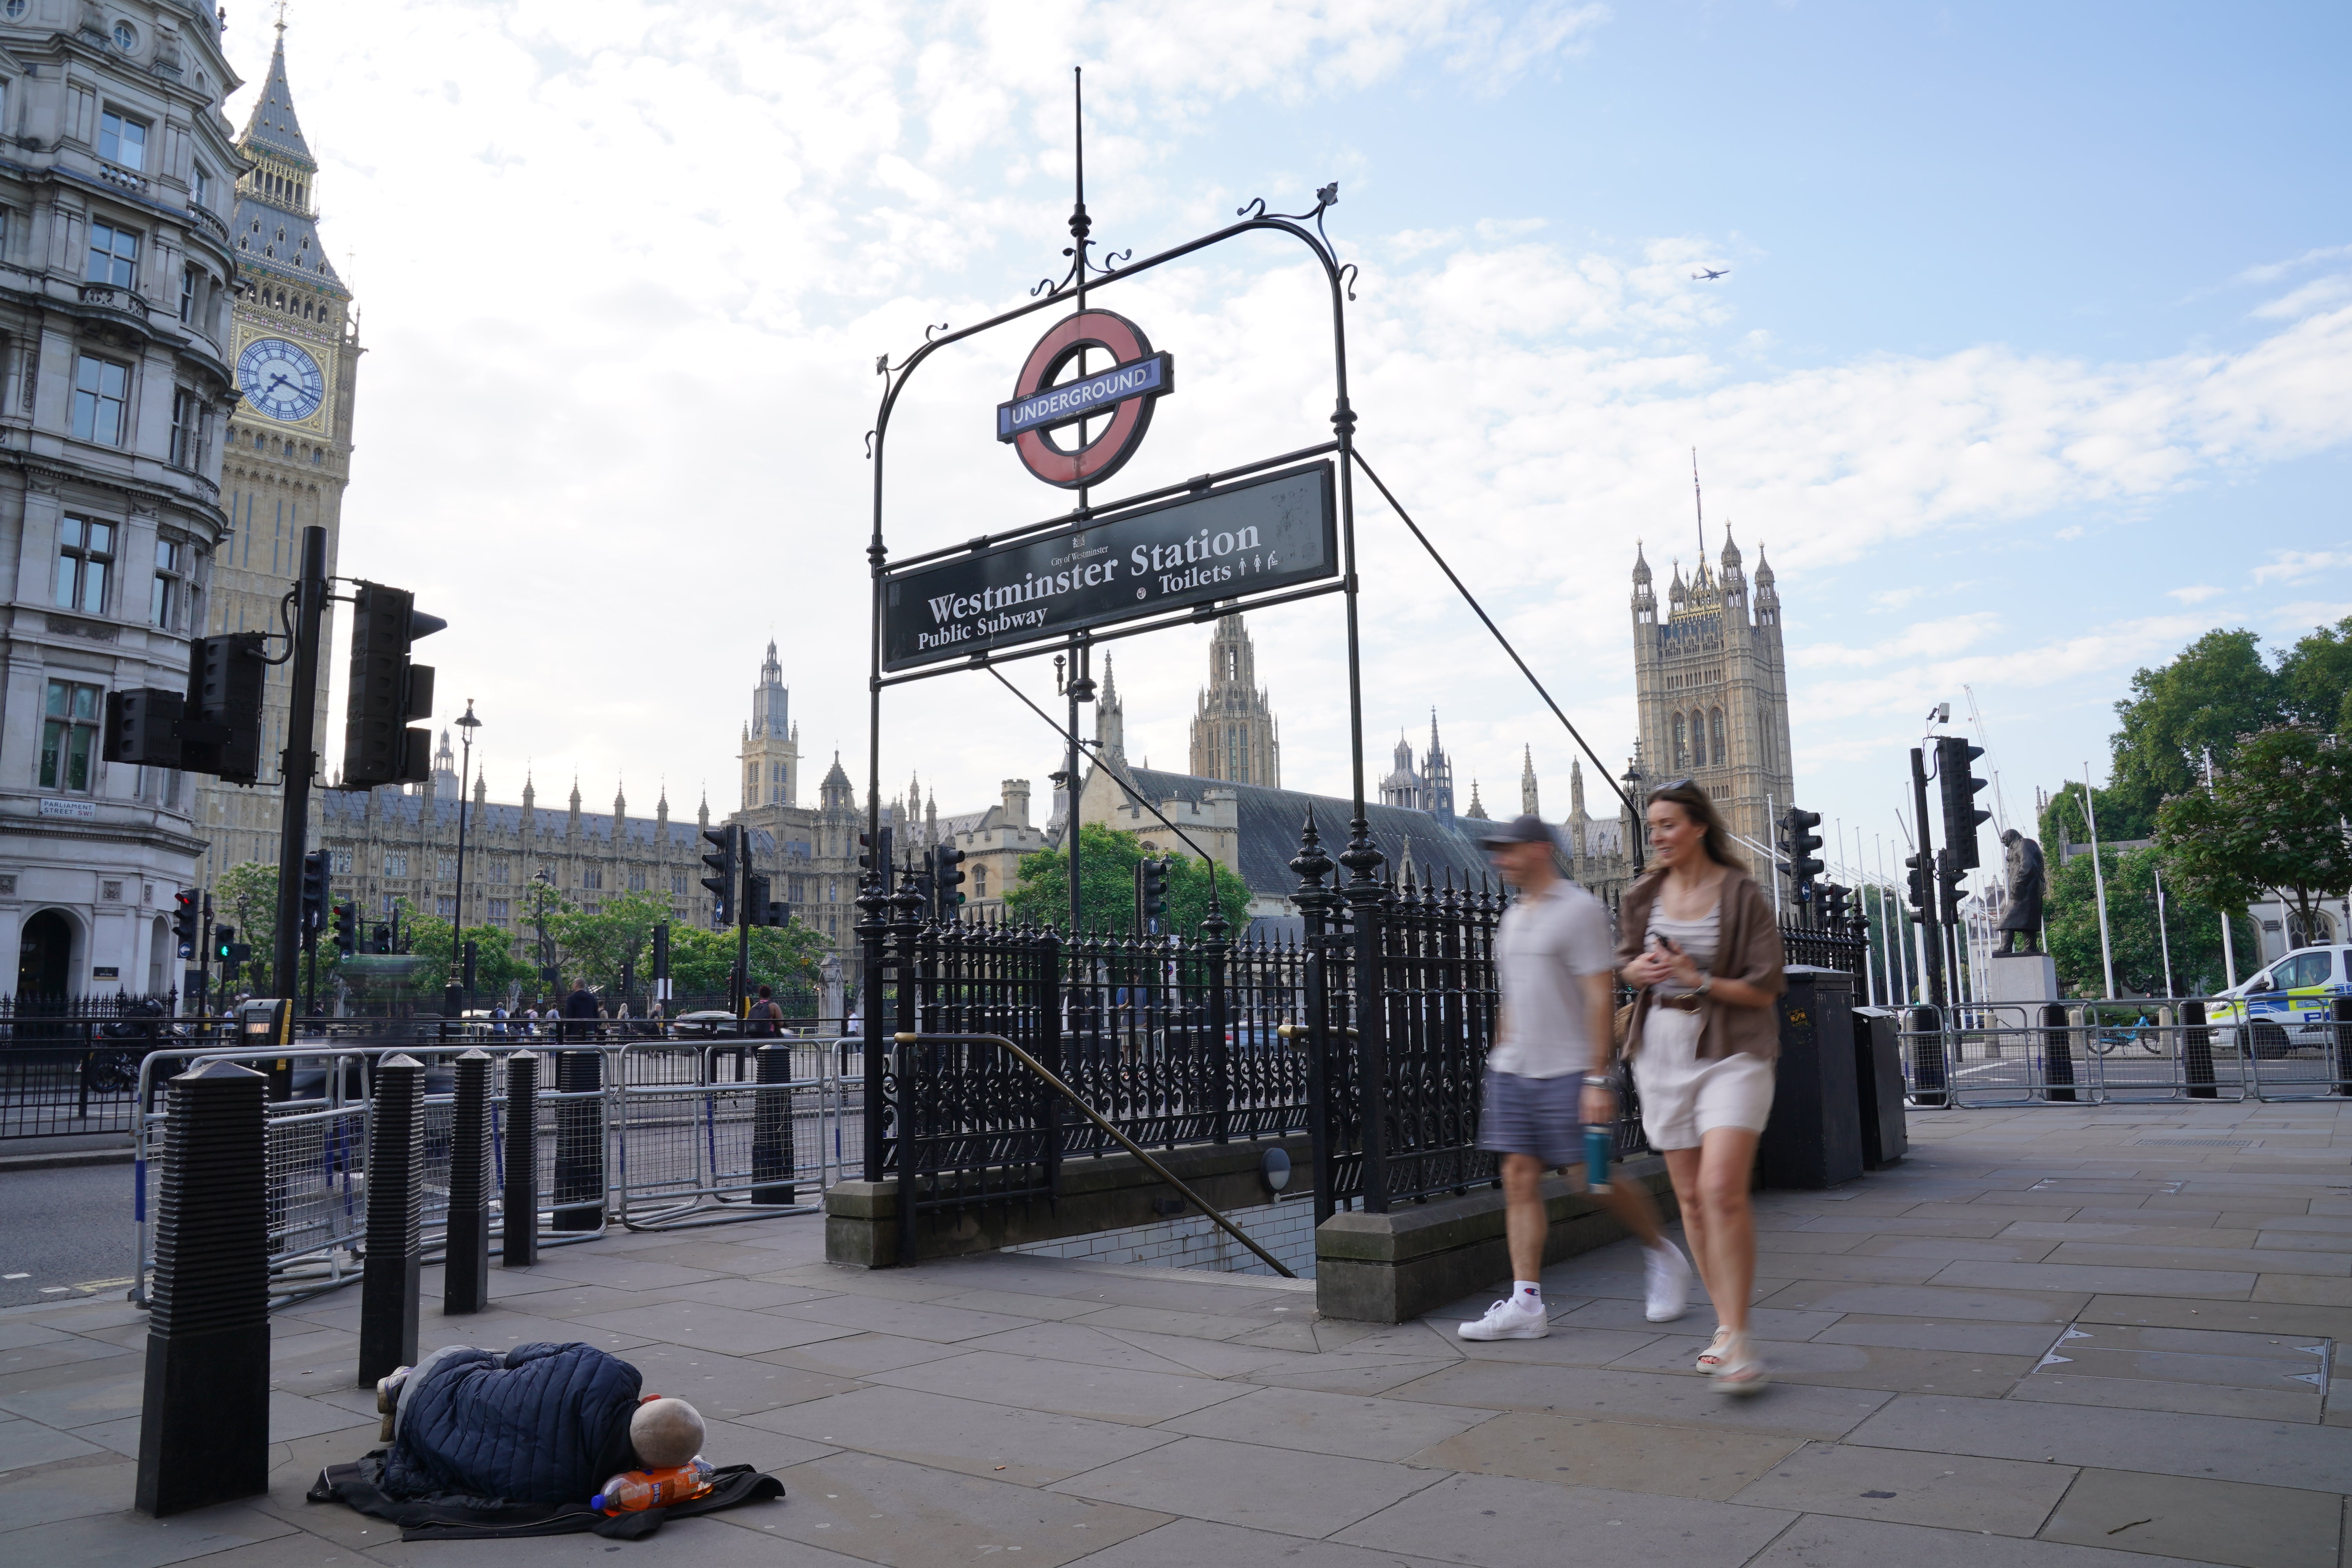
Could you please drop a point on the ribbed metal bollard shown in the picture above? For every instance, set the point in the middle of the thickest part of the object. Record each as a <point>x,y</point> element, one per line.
<point>2196,1052</point>
<point>2341,1015</point>
<point>1930,1083</point>
<point>2057,1054</point>
<point>771,1128</point>
<point>579,1142</point>
<point>396,1214</point>
<point>204,1430</point>
<point>465,1258</point>
<point>519,1198</point>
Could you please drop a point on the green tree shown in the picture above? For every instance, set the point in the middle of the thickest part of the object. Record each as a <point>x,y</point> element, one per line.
<point>2315,676</point>
<point>1106,862</point>
<point>2218,689</point>
<point>595,946</point>
<point>2193,928</point>
<point>2274,819</point>
<point>785,957</point>
<point>246,897</point>
<point>497,964</point>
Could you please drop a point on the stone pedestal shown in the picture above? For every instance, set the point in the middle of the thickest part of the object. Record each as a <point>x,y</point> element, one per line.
<point>2022,977</point>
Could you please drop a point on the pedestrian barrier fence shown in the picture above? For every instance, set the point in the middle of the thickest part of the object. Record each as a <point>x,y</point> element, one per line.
<point>2133,1050</point>
<point>649,1135</point>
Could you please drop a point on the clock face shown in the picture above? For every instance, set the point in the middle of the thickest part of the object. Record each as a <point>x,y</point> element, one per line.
<point>280,379</point>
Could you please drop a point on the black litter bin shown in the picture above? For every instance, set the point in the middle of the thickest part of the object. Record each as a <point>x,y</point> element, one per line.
<point>1814,1138</point>
<point>1878,1083</point>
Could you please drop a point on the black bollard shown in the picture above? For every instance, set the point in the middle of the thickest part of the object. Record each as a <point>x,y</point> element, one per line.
<point>396,1215</point>
<point>466,1256</point>
<point>2196,1052</point>
<point>771,1128</point>
<point>2340,1014</point>
<point>204,1430</point>
<point>2057,1054</point>
<point>520,1195</point>
<point>1930,1083</point>
<point>579,1142</point>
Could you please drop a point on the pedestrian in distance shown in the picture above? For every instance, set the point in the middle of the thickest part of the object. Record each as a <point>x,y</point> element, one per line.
<point>1697,938</point>
<point>1548,1077</point>
<point>765,1016</point>
<point>581,1011</point>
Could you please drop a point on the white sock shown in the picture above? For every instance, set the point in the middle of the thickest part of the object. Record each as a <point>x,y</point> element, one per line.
<point>1528,1294</point>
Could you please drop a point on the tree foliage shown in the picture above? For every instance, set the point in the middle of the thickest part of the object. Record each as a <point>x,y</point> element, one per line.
<point>2191,925</point>
<point>1106,862</point>
<point>2274,819</point>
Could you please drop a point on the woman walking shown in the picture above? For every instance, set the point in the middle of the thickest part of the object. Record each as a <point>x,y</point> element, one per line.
<point>1697,939</point>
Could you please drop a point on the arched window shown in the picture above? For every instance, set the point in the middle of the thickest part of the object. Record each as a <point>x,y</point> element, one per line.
<point>1715,724</point>
<point>1698,739</point>
<point>1682,744</point>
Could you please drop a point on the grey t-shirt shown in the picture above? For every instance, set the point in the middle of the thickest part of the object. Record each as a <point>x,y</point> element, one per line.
<point>1543,949</point>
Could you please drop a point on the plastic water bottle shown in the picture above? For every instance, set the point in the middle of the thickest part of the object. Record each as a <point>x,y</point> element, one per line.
<point>632,1492</point>
<point>1598,1142</point>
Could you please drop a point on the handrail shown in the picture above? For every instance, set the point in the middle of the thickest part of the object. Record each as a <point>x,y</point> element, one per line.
<point>1154,1166</point>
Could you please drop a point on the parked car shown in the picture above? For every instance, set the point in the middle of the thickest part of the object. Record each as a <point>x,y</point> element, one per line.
<point>2288,1006</point>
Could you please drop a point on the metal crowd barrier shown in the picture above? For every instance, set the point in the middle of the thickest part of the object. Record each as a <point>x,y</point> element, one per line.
<point>652,1135</point>
<point>2128,1051</point>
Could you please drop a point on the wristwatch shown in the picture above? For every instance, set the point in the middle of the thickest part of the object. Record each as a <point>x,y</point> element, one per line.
<point>1706,984</point>
<point>1598,1080</point>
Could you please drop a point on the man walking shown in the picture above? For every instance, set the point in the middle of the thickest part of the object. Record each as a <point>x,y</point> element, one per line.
<point>1548,1075</point>
<point>581,1004</point>
<point>766,1015</point>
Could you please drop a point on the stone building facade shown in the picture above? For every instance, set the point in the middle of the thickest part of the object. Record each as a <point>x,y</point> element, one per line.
<point>1712,687</point>
<point>294,348</point>
<point>1234,737</point>
<point>117,266</point>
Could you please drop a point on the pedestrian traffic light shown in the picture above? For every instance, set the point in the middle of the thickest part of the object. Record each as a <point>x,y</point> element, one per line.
<point>1917,881</point>
<point>220,718</point>
<point>387,690</point>
<point>347,929</point>
<point>759,910</point>
<point>380,939</point>
<point>314,893</point>
<point>184,920</point>
<point>946,879</point>
<point>1956,775</point>
<point>867,856</point>
<point>227,951</point>
<point>1952,877</point>
<point>1835,913</point>
<point>1150,896</point>
<point>722,859</point>
<point>1801,841</point>
<point>143,727</point>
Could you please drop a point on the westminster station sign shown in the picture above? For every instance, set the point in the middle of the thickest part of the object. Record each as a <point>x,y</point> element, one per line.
<point>1269,531</point>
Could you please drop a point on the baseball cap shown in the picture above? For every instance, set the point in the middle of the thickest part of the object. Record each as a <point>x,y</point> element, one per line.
<point>1525,828</point>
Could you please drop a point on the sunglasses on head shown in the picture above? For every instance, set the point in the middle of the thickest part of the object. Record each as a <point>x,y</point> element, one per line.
<point>1678,784</point>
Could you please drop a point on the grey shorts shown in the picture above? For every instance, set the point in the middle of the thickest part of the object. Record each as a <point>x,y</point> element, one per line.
<point>1539,1116</point>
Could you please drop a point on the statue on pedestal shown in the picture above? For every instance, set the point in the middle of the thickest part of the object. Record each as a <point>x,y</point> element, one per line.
<point>2023,860</point>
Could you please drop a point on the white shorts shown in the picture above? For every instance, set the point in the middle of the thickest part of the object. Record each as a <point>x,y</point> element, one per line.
<point>1682,1098</point>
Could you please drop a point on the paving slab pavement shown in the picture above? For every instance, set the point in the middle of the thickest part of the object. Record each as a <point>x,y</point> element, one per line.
<point>2039,1342</point>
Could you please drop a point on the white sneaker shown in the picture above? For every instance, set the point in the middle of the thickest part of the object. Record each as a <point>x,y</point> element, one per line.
<point>1669,1277</point>
<point>1508,1321</point>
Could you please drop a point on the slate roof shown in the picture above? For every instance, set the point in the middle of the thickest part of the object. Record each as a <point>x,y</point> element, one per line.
<point>1270,820</point>
<point>256,225</point>
<point>345,812</point>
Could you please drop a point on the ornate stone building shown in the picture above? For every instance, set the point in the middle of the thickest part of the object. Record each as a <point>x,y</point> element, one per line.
<point>1712,687</point>
<point>771,741</point>
<point>116,266</point>
<point>295,347</point>
<point>1234,736</point>
<point>1428,787</point>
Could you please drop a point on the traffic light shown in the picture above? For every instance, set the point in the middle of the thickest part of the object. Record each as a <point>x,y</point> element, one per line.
<point>868,859</point>
<point>1150,896</point>
<point>946,879</point>
<point>1835,913</point>
<point>347,929</point>
<point>1952,876</point>
<point>314,893</point>
<point>761,910</point>
<point>380,939</point>
<point>184,920</point>
<point>1917,881</point>
<point>220,719</point>
<point>1801,841</point>
<point>227,951</point>
<point>387,690</point>
<point>721,880</point>
<point>143,727</point>
<point>1956,775</point>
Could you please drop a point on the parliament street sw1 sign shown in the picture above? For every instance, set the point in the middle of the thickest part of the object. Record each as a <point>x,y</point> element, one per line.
<point>1267,531</point>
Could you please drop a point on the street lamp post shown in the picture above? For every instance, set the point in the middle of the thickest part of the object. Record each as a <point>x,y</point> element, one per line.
<point>468,724</point>
<point>546,955</point>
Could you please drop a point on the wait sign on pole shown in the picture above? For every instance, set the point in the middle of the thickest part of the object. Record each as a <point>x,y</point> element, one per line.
<point>1270,531</point>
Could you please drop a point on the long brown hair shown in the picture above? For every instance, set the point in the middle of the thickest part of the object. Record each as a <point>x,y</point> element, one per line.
<point>1698,805</point>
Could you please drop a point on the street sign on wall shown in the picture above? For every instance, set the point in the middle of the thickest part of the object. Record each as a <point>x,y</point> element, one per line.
<point>1273,530</point>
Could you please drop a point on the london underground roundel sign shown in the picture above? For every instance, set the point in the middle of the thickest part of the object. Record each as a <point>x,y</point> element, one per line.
<point>1121,397</point>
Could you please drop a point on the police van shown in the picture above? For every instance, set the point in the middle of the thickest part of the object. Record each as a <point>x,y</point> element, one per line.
<point>2288,1006</point>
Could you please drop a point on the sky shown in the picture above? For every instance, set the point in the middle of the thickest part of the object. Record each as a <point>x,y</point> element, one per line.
<point>2033,361</point>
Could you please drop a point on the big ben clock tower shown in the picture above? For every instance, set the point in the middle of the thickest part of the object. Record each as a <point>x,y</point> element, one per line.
<point>296,351</point>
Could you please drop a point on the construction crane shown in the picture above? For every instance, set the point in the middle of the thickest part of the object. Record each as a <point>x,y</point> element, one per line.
<point>1976,717</point>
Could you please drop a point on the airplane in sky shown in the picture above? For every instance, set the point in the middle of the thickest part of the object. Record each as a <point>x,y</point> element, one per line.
<point>1711,274</point>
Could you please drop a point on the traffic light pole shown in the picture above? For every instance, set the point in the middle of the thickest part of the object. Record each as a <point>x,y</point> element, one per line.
<point>204,960</point>
<point>300,761</point>
<point>742,986</point>
<point>1931,877</point>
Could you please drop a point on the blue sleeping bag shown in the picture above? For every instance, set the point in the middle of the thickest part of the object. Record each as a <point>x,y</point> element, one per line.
<point>538,1424</point>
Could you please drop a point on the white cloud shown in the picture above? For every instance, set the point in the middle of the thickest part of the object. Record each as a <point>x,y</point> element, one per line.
<point>2293,565</point>
<point>2271,271</point>
<point>2195,594</point>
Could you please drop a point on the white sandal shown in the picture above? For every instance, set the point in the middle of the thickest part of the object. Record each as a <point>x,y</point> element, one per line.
<point>1741,1371</point>
<point>1710,1360</point>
